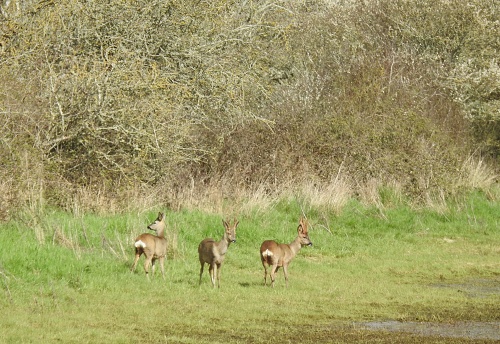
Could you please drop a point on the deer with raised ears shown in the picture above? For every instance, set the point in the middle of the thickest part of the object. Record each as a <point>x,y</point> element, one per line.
<point>153,247</point>
<point>213,252</point>
<point>276,255</point>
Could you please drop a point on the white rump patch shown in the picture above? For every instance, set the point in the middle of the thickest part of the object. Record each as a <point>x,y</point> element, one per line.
<point>140,243</point>
<point>267,253</point>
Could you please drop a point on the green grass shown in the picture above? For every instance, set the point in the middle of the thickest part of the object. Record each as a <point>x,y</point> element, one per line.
<point>67,279</point>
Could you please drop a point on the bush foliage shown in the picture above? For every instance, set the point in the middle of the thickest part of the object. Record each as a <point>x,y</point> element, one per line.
<point>109,95</point>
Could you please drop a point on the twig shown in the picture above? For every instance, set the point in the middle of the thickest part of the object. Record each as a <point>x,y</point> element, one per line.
<point>326,228</point>
<point>105,242</point>
<point>122,249</point>
<point>11,300</point>
<point>340,168</point>
<point>85,234</point>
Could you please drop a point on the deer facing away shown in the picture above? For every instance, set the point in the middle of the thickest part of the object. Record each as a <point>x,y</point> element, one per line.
<point>213,252</point>
<point>280,255</point>
<point>153,247</point>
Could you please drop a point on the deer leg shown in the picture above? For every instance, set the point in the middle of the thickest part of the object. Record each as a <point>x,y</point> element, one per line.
<point>265,271</point>
<point>218,274</point>
<point>146,266</point>
<point>201,270</point>
<point>273,274</point>
<point>213,271</point>
<point>285,272</point>
<point>153,267</point>
<point>162,267</point>
<point>137,256</point>
<point>210,271</point>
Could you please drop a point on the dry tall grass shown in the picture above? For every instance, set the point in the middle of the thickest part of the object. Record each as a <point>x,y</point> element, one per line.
<point>228,198</point>
<point>476,174</point>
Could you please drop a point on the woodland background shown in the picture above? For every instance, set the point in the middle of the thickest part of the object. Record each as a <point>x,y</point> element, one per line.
<point>110,105</point>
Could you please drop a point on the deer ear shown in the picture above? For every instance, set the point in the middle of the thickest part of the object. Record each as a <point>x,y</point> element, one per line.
<point>225,223</point>
<point>160,215</point>
<point>303,224</point>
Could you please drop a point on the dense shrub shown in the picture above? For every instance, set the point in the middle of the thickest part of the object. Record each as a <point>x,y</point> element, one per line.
<point>110,95</point>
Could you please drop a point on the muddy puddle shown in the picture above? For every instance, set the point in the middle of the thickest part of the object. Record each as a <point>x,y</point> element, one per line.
<point>470,330</point>
<point>477,288</point>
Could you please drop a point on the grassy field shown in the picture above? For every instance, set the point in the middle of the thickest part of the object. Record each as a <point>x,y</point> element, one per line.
<point>66,278</point>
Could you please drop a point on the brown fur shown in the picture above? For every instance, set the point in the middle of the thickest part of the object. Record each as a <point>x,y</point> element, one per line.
<point>213,252</point>
<point>153,247</point>
<point>280,255</point>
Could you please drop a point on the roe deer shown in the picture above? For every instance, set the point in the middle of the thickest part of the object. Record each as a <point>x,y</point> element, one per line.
<point>153,247</point>
<point>213,252</point>
<point>280,255</point>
